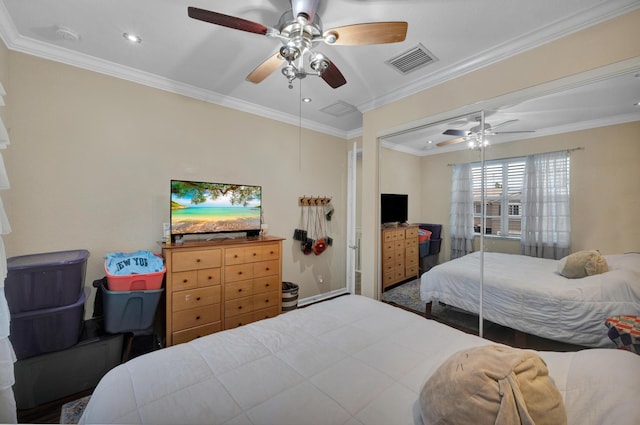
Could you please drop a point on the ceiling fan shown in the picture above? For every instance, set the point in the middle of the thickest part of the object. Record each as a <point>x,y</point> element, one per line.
<point>300,31</point>
<point>475,131</point>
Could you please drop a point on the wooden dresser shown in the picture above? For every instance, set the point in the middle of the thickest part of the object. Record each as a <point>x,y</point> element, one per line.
<point>399,254</point>
<point>216,285</point>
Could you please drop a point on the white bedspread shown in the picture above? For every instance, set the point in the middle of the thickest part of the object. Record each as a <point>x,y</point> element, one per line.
<point>351,360</point>
<point>527,294</point>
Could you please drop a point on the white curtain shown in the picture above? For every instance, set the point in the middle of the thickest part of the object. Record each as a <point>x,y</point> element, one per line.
<point>546,224</point>
<point>461,218</point>
<point>7,356</point>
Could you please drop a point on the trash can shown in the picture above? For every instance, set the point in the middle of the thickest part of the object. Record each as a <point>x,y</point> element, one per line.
<point>289,296</point>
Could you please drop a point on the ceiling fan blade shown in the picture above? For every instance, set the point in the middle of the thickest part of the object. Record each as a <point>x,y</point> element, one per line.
<point>451,142</point>
<point>333,76</point>
<point>226,21</point>
<point>503,123</point>
<point>369,33</point>
<point>514,132</point>
<point>306,8</point>
<point>265,69</point>
<point>452,132</point>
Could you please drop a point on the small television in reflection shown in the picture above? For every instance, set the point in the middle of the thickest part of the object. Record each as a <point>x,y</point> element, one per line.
<point>394,208</point>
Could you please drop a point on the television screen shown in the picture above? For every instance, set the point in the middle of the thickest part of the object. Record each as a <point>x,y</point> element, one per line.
<point>394,208</point>
<point>202,207</point>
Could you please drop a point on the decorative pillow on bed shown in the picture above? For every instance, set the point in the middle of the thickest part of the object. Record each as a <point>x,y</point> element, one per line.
<point>492,384</point>
<point>582,264</point>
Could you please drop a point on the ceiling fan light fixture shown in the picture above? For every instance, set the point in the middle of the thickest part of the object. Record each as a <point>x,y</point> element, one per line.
<point>319,63</point>
<point>330,37</point>
<point>289,52</point>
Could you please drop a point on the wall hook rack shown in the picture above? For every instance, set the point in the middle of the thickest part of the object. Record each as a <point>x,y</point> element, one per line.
<point>308,201</point>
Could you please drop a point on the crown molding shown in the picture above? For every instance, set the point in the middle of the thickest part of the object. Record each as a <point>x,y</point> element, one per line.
<point>551,32</point>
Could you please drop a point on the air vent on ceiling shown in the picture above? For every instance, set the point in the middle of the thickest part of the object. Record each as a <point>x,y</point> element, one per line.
<point>412,59</point>
<point>339,109</point>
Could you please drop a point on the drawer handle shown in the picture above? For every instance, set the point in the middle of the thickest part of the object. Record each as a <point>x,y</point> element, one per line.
<point>239,307</point>
<point>235,256</point>
<point>254,254</point>
<point>266,285</point>
<point>185,280</point>
<point>209,277</point>
<point>267,269</point>
<point>266,301</point>
<point>239,289</point>
<point>198,299</point>
<point>197,317</point>
<point>239,273</point>
<point>197,260</point>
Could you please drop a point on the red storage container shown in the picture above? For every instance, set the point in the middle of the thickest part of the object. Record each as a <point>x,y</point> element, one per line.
<point>135,282</point>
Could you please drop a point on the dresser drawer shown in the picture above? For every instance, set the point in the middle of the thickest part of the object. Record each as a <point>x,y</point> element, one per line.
<point>190,298</point>
<point>266,284</point>
<point>265,268</point>
<point>411,232</point>
<point>387,246</point>
<point>388,267</point>
<point>208,277</point>
<point>412,251</point>
<point>398,245</point>
<point>192,260</point>
<point>238,272</point>
<point>196,317</point>
<point>388,256</point>
<point>232,291</point>
<point>266,313</point>
<point>388,278</point>
<point>237,321</point>
<point>235,256</point>
<point>193,333</point>
<point>411,261</point>
<point>238,306</point>
<point>398,255</point>
<point>408,243</point>
<point>265,300</point>
<point>269,252</point>
<point>184,280</point>
<point>412,271</point>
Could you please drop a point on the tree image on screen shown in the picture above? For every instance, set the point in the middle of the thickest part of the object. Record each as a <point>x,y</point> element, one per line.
<point>199,207</point>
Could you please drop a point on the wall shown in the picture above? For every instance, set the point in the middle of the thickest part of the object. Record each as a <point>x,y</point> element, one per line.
<point>91,159</point>
<point>604,186</point>
<point>603,44</point>
<point>400,173</point>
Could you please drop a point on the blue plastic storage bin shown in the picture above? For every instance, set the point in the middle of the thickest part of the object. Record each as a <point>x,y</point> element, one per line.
<point>43,281</point>
<point>47,330</point>
<point>129,311</point>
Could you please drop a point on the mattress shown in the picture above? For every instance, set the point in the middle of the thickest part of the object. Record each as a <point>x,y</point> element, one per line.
<point>527,294</point>
<point>351,360</point>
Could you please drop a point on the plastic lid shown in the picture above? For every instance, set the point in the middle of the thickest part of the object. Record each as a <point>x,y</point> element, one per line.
<point>47,259</point>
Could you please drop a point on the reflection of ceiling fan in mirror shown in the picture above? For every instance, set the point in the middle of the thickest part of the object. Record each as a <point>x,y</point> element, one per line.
<point>300,31</point>
<point>475,131</point>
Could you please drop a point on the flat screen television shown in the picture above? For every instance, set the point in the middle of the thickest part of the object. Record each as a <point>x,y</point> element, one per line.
<point>394,208</point>
<point>209,208</point>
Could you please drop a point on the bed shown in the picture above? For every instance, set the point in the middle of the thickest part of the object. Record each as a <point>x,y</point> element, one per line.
<point>529,295</point>
<point>351,360</point>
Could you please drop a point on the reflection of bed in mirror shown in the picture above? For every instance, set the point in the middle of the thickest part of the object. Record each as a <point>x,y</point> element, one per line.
<point>350,360</point>
<point>529,295</point>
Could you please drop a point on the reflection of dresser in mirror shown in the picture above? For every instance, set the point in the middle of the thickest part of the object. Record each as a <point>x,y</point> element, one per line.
<point>399,254</point>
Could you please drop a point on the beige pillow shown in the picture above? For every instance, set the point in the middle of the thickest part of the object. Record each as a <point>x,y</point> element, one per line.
<point>582,264</point>
<point>492,385</point>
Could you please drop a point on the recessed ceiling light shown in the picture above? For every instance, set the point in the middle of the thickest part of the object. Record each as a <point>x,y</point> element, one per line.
<point>306,99</point>
<point>67,33</point>
<point>636,104</point>
<point>132,38</point>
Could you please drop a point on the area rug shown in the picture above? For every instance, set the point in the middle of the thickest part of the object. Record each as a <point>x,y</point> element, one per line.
<point>71,412</point>
<point>407,296</point>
